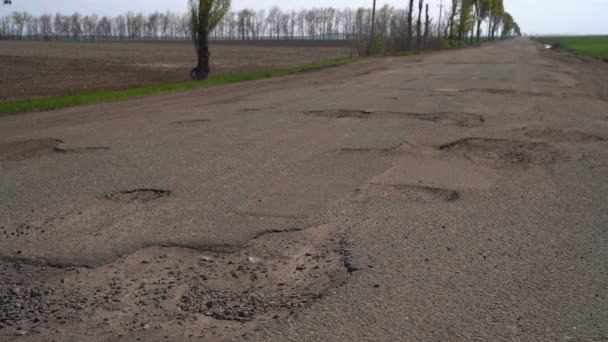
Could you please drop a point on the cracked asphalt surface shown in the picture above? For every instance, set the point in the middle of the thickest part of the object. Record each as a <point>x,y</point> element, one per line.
<point>456,196</point>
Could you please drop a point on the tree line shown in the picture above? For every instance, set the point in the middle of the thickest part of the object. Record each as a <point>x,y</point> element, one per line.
<point>395,27</point>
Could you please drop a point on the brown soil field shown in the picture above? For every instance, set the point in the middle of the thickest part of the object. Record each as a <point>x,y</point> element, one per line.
<point>35,69</point>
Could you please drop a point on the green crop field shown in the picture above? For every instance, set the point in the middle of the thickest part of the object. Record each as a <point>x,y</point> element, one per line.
<point>596,46</point>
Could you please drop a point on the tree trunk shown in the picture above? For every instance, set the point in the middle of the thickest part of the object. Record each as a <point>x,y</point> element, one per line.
<point>203,60</point>
<point>490,28</point>
<point>410,31</point>
<point>202,70</point>
<point>419,24</point>
<point>371,37</point>
<point>452,23</point>
<point>427,23</point>
<point>479,31</point>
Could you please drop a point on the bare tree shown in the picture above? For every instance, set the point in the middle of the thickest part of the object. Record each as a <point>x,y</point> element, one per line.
<point>152,24</point>
<point>410,28</point>
<point>89,25</point>
<point>391,26</point>
<point>451,27</point>
<point>427,25</point>
<point>419,25</point>
<point>301,22</point>
<point>19,18</point>
<point>244,23</point>
<point>104,28</point>
<point>76,25</point>
<point>46,22</point>
<point>273,20</point>
<point>33,25</point>
<point>120,25</point>
<point>372,33</point>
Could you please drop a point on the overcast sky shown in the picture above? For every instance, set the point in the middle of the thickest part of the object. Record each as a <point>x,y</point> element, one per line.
<point>534,16</point>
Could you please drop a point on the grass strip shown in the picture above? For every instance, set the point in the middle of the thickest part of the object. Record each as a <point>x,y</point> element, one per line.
<point>594,46</point>
<point>117,95</point>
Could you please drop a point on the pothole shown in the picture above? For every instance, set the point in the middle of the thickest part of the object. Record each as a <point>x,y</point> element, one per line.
<point>27,149</point>
<point>276,274</point>
<point>502,151</point>
<point>340,113</point>
<point>189,123</point>
<point>557,135</point>
<point>176,291</point>
<point>508,92</point>
<point>138,195</point>
<point>455,118</point>
<point>451,118</point>
<point>498,91</point>
<point>411,193</point>
<point>367,150</point>
<point>80,149</point>
<point>492,91</point>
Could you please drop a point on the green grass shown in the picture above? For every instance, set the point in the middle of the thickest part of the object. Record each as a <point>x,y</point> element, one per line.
<point>116,95</point>
<point>595,46</point>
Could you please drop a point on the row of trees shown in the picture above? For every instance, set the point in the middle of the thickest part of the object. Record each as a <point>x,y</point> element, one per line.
<point>388,29</point>
<point>130,25</point>
<point>315,23</point>
<point>467,17</point>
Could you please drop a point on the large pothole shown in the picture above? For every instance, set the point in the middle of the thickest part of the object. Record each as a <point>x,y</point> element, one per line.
<point>179,293</point>
<point>503,151</point>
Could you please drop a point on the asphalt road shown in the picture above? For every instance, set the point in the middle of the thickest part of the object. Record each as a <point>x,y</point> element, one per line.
<point>467,191</point>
